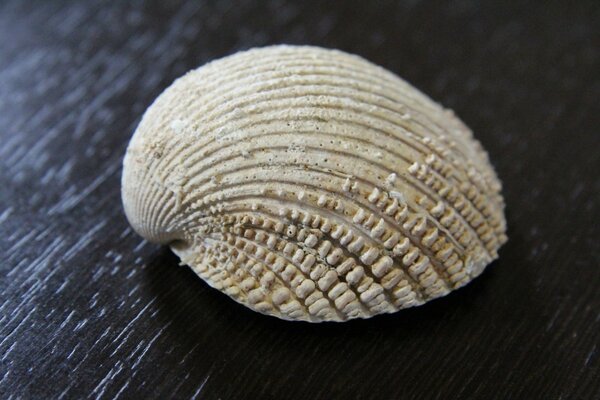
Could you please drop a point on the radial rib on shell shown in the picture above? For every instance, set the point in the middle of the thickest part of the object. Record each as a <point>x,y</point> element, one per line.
<point>310,184</point>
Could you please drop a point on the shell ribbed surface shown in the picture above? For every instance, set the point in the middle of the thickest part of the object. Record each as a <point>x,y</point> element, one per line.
<point>310,184</point>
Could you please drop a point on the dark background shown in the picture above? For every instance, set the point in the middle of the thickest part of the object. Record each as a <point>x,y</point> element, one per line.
<point>88,309</point>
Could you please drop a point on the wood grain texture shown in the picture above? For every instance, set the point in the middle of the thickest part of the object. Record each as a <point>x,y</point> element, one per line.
<point>90,310</point>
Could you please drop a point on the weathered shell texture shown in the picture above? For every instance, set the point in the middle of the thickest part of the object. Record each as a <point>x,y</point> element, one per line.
<point>310,184</point>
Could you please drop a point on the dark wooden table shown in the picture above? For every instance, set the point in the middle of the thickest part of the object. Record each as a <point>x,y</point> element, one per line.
<point>89,309</point>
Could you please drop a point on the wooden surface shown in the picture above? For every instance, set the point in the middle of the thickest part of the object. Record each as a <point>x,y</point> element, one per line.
<point>89,310</point>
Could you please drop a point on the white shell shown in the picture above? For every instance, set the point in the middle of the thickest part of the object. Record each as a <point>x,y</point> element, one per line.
<point>310,184</point>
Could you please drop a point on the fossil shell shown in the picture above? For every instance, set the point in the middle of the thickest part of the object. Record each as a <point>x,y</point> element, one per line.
<point>310,184</point>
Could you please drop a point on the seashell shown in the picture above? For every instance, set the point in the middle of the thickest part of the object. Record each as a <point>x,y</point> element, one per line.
<point>310,184</point>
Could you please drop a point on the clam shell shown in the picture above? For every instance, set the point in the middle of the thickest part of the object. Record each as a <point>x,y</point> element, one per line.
<point>310,184</point>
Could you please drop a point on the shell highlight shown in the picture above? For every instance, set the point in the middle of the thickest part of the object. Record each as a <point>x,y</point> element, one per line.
<point>310,184</point>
